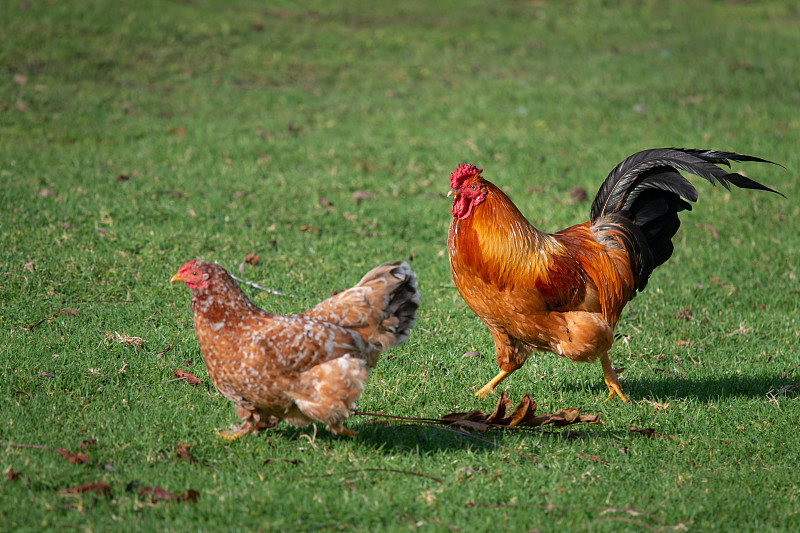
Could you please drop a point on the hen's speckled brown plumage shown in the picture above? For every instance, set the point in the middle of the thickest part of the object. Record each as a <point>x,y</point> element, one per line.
<point>298,368</point>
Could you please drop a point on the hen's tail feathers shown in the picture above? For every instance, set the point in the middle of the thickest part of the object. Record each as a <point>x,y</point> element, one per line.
<point>647,191</point>
<point>395,296</point>
<point>382,307</point>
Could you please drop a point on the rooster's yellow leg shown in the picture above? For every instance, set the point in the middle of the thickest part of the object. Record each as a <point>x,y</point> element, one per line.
<point>611,379</point>
<point>489,387</point>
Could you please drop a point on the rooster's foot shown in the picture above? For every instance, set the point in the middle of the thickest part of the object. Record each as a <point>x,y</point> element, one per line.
<point>489,387</point>
<point>610,377</point>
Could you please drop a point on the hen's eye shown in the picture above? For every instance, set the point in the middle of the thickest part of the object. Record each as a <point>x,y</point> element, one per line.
<point>194,273</point>
<point>473,187</point>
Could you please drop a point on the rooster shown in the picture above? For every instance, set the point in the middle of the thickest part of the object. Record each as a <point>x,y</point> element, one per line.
<point>303,368</point>
<point>564,292</point>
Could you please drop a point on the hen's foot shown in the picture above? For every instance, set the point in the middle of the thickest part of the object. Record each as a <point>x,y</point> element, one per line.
<point>232,433</point>
<point>251,425</point>
<point>341,430</point>
<point>610,377</point>
<point>489,387</point>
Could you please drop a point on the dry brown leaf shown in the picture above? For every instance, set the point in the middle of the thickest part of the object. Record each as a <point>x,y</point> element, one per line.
<point>183,453</point>
<point>474,420</point>
<point>498,416</point>
<point>74,458</point>
<point>186,376</point>
<point>99,487</point>
<point>158,493</point>
<point>310,228</point>
<point>86,443</point>
<point>684,314</point>
<point>251,258</point>
<point>524,411</point>
<point>360,196</point>
<point>13,476</point>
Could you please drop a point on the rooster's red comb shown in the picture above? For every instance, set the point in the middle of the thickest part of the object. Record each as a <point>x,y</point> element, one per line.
<point>464,171</point>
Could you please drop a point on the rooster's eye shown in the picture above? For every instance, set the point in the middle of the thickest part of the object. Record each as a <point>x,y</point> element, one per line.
<point>473,187</point>
<point>194,273</point>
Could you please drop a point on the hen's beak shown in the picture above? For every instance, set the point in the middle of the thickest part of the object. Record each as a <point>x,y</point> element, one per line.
<point>452,192</point>
<point>175,278</point>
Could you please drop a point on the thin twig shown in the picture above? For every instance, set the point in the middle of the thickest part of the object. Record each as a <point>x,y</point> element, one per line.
<point>168,348</point>
<point>79,301</point>
<point>550,507</point>
<point>183,378</point>
<point>390,470</point>
<point>34,446</point>
<point>397,417</point>
<point>67,310</point>
<point>261,288</point>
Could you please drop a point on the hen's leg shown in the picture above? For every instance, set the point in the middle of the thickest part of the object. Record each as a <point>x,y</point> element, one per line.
<point>326,392</point>
<point>489,387</point>
<point>611,379</point>
<point>252,421</point>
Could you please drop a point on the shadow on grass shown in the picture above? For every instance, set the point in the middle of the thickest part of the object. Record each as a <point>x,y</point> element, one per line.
<point>393,437</point>
<point>707,389</point>
<point>433,439</point>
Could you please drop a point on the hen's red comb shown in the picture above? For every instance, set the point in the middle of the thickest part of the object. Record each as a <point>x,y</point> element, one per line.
<point>187,265</point>
<point>464,170</point>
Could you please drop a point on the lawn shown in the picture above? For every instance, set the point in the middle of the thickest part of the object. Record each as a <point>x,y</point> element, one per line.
<point>320,136</point>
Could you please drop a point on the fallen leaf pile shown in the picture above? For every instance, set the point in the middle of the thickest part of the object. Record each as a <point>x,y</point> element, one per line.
<point>524,415</point>
<point>503,417</point>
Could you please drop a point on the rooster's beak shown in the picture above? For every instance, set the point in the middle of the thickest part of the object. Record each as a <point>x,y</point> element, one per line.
<point>175,278</point>
<point>452,192</point>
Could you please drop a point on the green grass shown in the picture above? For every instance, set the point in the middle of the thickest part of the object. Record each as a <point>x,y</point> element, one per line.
<point>239,125</point>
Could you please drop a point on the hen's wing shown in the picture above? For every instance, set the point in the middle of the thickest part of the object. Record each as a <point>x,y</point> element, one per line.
<point>297,343</point>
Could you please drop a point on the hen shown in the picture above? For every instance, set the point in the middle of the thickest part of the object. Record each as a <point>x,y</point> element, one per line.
<point>303,368</point>
<point>564,292</point>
